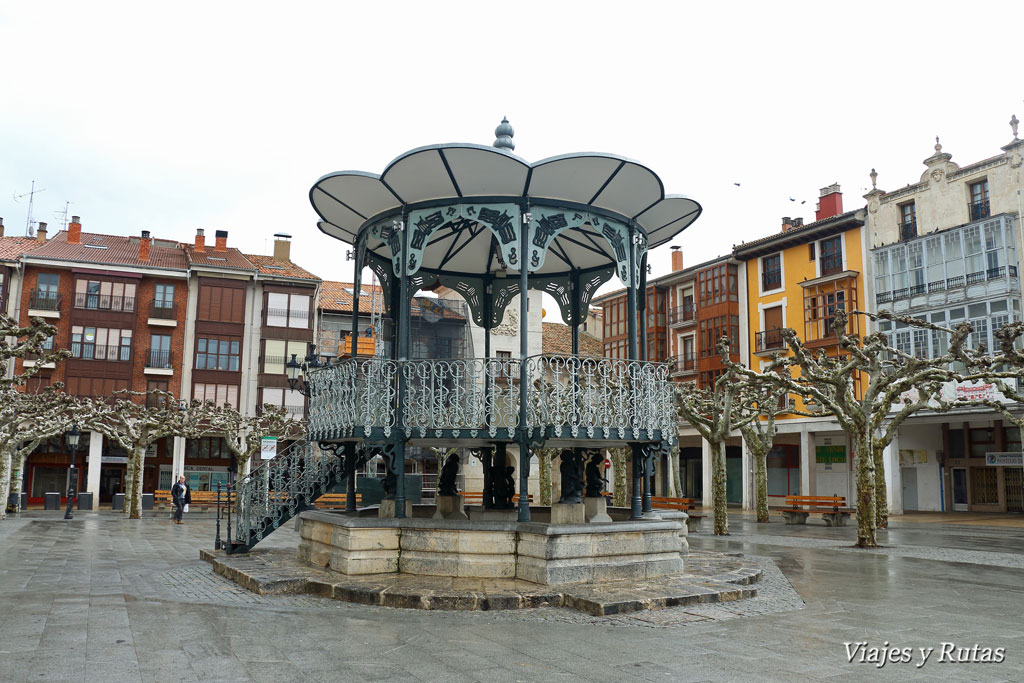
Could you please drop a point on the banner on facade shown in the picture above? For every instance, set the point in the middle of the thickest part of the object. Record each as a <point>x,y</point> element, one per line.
<point>912,457</point>
<point>829,455</point>
<point>962,392</point>
<point>1004,459</point>
<point>268,447</point>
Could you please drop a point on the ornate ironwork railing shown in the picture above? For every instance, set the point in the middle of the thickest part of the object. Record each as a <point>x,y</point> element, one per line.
<point>477,397</point>
<point>281,488</point>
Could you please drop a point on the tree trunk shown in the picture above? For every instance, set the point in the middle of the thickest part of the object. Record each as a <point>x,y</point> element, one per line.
<point>244,463</point>
<point>881,495</point>
<point>620,473</point>
<point>129,481</point>
<point>865,491</point>
<point>139,457</point>
<point>544,475</point>
<point>675,487</point>
<point>5,481</point>
<point>718,488</point>
<point>760,483</point>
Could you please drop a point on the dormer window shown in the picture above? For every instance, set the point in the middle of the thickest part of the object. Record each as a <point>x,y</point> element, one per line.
<point>908,221</point>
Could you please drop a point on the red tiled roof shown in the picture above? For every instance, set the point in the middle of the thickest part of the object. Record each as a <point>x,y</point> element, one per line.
<point>109,249</point>
<point>336,296</point>
<point>557,338</point>
<point>229,258</point>
<point>13,247</point>
<point>268,265</point>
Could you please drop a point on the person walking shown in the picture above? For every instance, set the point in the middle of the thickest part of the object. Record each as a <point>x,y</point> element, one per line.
<point>181,496</point>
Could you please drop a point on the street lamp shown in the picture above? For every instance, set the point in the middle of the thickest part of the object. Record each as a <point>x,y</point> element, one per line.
<point>73,437</point>
<point>310,362</point>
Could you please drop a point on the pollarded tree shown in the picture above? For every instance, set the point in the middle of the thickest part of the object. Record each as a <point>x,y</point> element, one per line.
<point>870,388</point>
<point>241,433</point>
<point>27,341</point>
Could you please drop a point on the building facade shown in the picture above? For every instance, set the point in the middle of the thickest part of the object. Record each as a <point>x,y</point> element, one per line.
<point>945,249</point>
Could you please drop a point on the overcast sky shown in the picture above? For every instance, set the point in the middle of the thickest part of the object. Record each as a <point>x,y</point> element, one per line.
<point>175,116</point>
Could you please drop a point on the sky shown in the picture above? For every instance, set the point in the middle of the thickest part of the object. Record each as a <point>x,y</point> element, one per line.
<point>218,115</point>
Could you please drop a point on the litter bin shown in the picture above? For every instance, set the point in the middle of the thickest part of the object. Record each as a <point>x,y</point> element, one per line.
<point>85,500</point>
<point>118,502</point>
<point>12,502</point>
<point>51,501</point>
<point>24,500</point>
<point>147,501</point>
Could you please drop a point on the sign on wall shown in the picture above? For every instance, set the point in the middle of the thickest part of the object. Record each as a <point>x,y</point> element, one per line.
<point>910,457</point>
<point>1004,459</point>
<point>268,447</point>
<point>828,455</point>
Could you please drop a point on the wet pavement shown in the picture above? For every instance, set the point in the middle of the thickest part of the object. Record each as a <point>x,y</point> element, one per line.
<point>103,598</point>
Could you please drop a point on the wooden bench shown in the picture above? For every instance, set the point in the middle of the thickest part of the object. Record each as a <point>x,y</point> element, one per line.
<point>201,499</point>
<point>335,501</point>
<point>478,497</point>
<point>832,509</point>
<point>687,505</point>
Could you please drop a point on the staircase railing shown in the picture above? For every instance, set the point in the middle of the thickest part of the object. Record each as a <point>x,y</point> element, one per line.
<point>279,489</point>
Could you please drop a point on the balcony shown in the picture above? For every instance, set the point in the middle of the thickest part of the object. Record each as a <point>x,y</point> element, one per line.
<point>948,285</point>
<point>908,229</point>
<point>84,351</point>
<point>158,362</point>
<point>568,397</point>
<point>105,302</point>
<point>294,319</point>
<point>979,210</point>
<point>769,341</point>
<point>683,363</point>
<point>681,315</point>
<point>162,314</point>
<point>44,304</point>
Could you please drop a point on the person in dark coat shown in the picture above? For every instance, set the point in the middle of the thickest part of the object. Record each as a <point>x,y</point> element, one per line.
<point>181,495</point>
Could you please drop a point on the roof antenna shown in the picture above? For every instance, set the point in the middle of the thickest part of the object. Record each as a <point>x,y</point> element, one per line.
<point>31,194</point>
<point>504,133</point>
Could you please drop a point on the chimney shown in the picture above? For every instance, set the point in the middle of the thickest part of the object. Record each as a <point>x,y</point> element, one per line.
<point>75,231</point>
<point>144,246</point>
<point>677,259</point>
<point>200,240</point>
<point>222,241</point>
<point>1,227</point>
<point>787,224</point>
<point>830,204</point>
<point>282,247</point>
<point>41,232</point>
<point>798,222</point>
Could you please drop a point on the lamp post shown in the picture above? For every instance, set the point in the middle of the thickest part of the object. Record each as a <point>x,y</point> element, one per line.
<point>296,382</point>
<point>73,437</point>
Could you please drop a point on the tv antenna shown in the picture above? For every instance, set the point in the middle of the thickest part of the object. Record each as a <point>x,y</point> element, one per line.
<point>63,215</point>
<point>31,194</point>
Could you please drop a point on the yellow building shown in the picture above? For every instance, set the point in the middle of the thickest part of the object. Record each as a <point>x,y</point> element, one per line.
<point>799,278</point>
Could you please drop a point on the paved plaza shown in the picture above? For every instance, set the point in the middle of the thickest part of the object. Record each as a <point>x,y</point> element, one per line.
<point>106,599</point>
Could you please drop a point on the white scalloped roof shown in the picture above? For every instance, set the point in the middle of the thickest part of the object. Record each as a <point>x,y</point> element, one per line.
<point>346,200</point>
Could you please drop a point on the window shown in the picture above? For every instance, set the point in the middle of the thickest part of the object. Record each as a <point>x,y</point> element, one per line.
<point>287,310</point>
<point>921,343</point>
<point>277,353</point>
<point>101,343</point>
<point>810,250</point>
<point>973,249</point>
<point>979,207</point>
<point>908,221</point>
<point>104,296</point>
<point>831,261</point>
<point>954,259</point>
<point>898,264</point>
<point>994,261</point>
<point>156,401</point>
<point>883,285</point>
<point>163,297</point>
<point>207,448</point>
<point>933,256</point>
<point>217,354</point>
<point>47,284</point>
<point>159,351</point>
<point>903,341</point>
<point>221,304</point>
<point>979,333</point>
<point>293,402</point>
<point>220,394</point>
<point>771,272</point>
<point>915,261</point>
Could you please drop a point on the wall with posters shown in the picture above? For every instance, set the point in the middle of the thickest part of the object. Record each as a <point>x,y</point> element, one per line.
<point>918,448</point>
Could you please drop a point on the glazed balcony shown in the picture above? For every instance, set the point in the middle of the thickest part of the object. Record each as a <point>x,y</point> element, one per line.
<point>568,397</point>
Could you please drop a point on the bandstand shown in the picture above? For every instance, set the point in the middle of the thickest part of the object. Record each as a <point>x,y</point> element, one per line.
<point>489,226</point>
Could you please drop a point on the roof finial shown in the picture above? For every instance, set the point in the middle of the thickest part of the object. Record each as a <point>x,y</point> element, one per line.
<point>504,133</point>
<point>874,179</point>
<point>1013,125</point>
<point>938,147</point>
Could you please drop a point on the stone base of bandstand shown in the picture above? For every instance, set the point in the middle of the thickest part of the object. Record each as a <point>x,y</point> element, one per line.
<point>387,509</point>
<point>569,513</point>
<point>451,507</point>
<point>596,509</point>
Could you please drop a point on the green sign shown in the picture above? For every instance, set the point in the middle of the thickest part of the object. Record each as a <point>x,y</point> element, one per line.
<point>829,455</point>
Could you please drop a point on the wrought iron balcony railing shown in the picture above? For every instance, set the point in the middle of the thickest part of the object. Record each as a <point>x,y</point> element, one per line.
<point>681,314</point>
<point>104,302</point>
<point>163,310</point>
<point>567,396</point>
<point>87,351</point>
<point>979,210</point>
<point>44,300</point>
<point>686,362</point>
<point>769,340</point>
<point>908,229</point>
<point>156,358</point>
